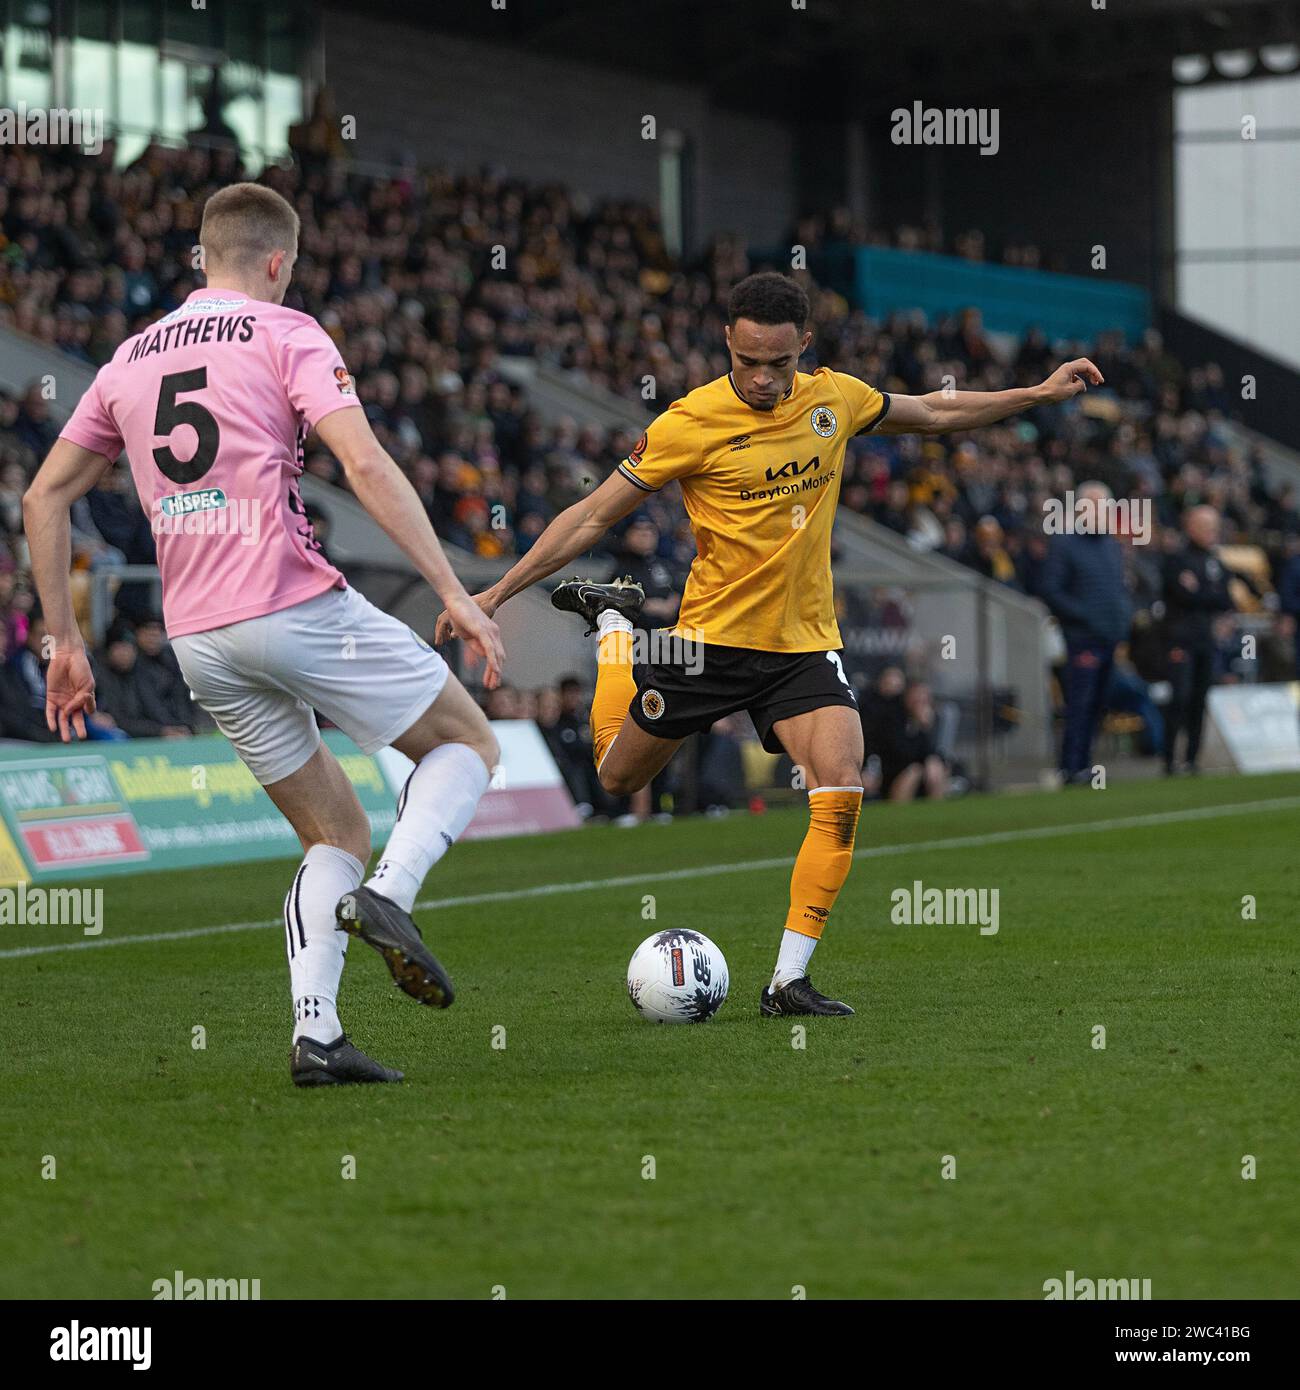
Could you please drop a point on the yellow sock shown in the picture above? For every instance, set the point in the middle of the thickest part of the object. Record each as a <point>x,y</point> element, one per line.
<point>615,690</point>
<point>824,858</point>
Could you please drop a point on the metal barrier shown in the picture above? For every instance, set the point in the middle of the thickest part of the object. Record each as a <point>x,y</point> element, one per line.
<point>104,585</point>
<point>987,675</point>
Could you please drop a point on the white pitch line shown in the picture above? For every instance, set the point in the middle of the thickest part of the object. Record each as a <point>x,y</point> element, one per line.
<point>545,890</point>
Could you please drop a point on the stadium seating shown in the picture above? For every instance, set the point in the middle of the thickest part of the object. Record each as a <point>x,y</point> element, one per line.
<point>400,271</point>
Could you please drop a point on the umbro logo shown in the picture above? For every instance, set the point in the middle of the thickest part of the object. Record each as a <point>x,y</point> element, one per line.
<point>738,442</point>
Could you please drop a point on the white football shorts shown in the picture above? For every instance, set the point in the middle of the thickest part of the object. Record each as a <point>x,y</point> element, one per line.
<point>260,679</point>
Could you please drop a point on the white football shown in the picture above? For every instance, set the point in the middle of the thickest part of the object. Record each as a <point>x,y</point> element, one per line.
<point>677,976</point>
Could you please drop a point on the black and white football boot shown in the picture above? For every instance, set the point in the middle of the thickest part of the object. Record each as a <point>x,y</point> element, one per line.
<point>340,1063</point>
<point>380,923</point>
<point>799,997</point>
<point>589,599</point>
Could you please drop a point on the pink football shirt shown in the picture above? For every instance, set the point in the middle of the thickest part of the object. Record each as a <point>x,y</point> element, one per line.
<point>212,405</point>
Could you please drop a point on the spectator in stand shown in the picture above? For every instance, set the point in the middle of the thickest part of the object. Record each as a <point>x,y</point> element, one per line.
<point>26,665</point>
<point>1031,561</point>
<point>880,709</point>
<point>118,518</point>
<point>954,540</point>
<point>1288,593</point>
<point>564,724</point>
<point>503,703</point>
<point>720,777</point>
<point>24,688</point>
<point>15,602</point>
<point>13,483</point>
<point>1196,594</point>
<point>34,427</point>
<point>1083,585</point>
<point>159,668</point>
<point>903,737</point>
<point>988,553</point>
<point>127,695</point>
<point>19,716</point>
<point>892,514</point>
<point>662,582</point>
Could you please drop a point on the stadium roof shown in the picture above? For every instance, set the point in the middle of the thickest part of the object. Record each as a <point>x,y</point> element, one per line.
<point>842,55</point>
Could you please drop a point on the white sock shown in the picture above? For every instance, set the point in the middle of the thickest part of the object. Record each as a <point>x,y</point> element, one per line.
<point>610,620</point>
<point>792,962</point>
<point>435,806</point>
<point>316,948</point>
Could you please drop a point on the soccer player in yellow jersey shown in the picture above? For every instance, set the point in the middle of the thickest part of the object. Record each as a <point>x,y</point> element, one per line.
<point>758,456</point>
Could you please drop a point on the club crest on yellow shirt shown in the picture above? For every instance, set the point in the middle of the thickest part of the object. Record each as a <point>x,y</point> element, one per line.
<point>823,421</point>
<point>652,704</point>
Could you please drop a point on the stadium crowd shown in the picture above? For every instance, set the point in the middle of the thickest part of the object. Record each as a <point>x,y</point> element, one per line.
<point>429,280</point>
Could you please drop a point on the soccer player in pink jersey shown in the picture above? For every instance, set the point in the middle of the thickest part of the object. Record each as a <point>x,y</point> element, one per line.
<point>212,405</point>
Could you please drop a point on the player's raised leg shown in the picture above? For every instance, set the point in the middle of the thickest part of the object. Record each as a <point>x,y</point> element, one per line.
<point>827,744</point>
<point>454,751</point>
<point>627,758</point>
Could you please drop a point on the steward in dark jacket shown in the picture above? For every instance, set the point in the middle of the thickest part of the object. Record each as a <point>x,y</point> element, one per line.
<point>1196,593</point>
<point>1083,584</point>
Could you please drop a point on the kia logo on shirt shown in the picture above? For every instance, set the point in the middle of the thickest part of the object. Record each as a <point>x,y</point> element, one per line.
<point>794,469</point>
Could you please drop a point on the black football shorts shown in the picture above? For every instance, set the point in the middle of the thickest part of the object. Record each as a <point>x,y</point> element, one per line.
<point>703,683</point>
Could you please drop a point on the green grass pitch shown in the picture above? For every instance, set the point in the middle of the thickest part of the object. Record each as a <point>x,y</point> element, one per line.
<point>521,1168</point>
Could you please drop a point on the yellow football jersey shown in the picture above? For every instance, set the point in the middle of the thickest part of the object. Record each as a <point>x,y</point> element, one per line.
<point>760,487</point>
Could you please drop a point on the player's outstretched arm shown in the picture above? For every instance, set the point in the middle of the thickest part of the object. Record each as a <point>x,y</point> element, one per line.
<point>571,534</point>
<point>68,473</point>
<point>388,496</point>
<point>940,413</point>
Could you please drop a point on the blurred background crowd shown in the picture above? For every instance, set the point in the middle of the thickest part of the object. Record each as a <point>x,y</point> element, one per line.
<point>407,274</point>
